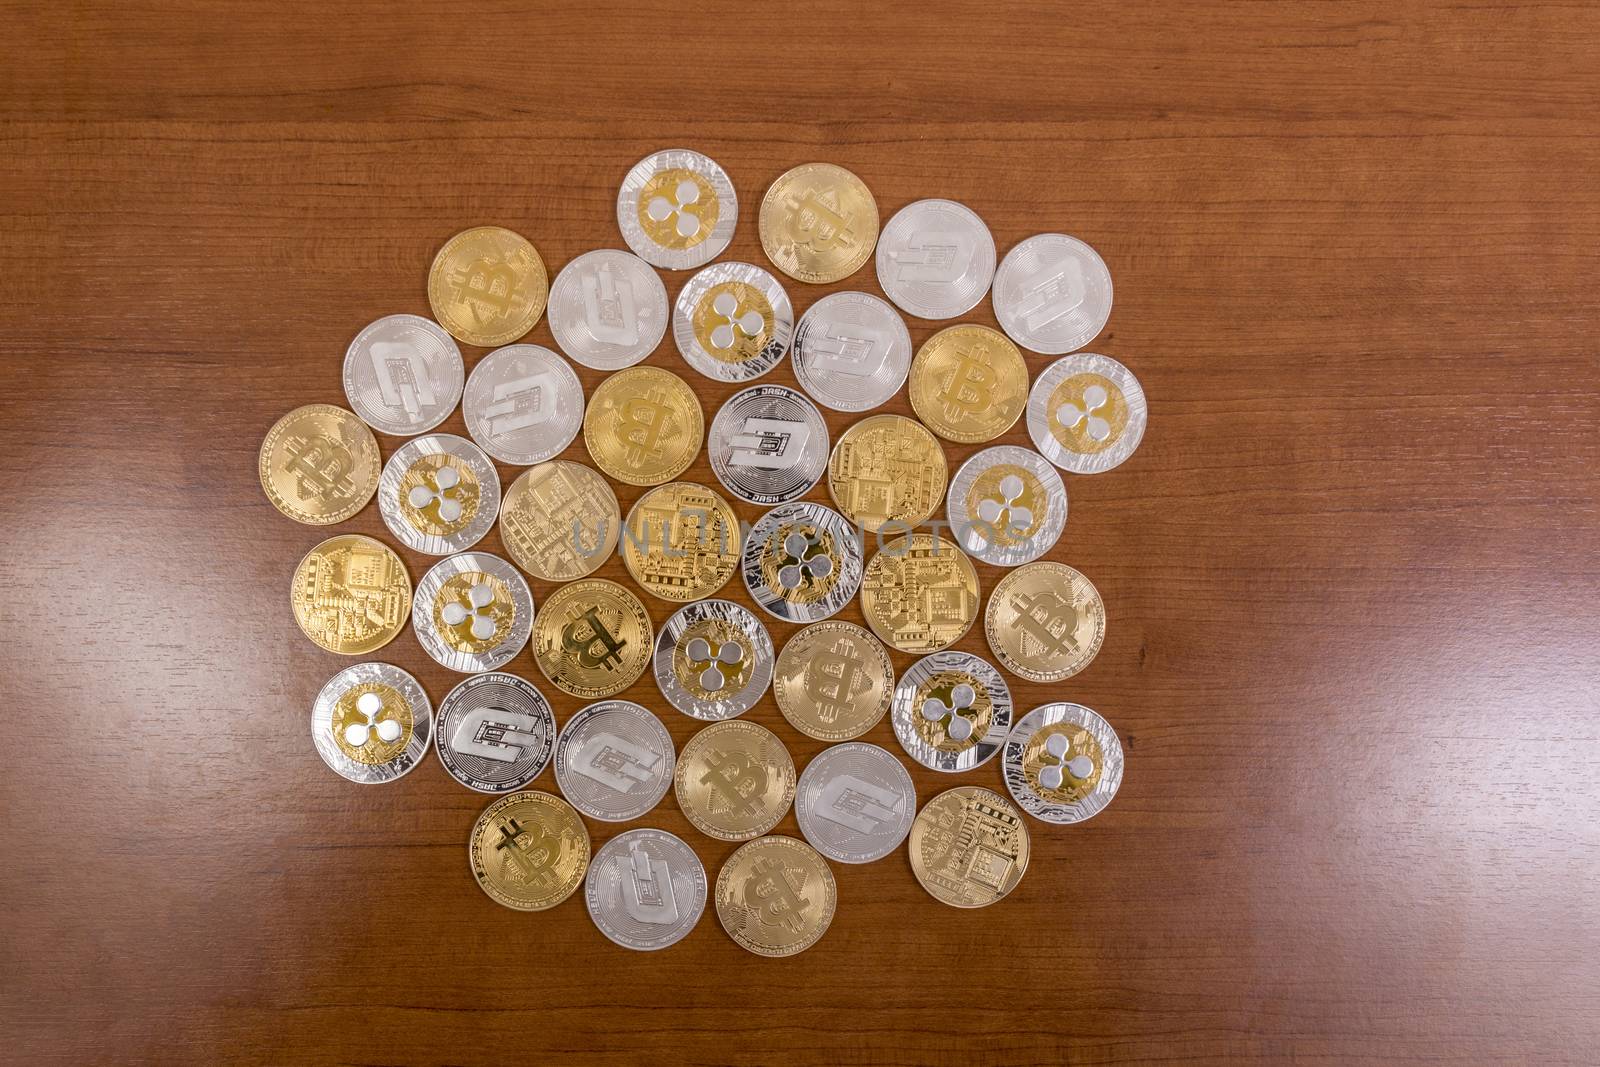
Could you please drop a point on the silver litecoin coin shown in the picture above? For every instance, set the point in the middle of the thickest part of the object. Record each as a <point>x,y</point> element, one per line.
<point>951,711</point>
<point>713,660</point>
<point>439,494</point>
<point>472,612</point>
<point>608,309</point>
<point>1052,294</point>
<point>1007,506</point>
<point>768,444</point>
<point>645,889</point>
<point>371,723</point>
<point>403,375</point>
<point>935,259</point>
<point>732,322</point>
<point>802,562</point>
<point>1086,413</point>
<point>496,732</point>
<point>614,760</point>
<point>855,802</point>
<point>523,405</point>
<point>1063,763</point>
<point>677,209</point>
<point>852,351</point>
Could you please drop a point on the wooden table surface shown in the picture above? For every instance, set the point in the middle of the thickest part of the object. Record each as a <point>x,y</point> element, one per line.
<point>1350,575</point>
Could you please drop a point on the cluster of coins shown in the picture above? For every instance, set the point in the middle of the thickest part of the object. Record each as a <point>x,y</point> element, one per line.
<point>681,542</point>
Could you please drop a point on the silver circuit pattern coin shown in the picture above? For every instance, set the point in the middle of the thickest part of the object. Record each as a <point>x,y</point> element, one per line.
<point>496,732</point>
<point>403,375</point>
<point>1052,294</point>
<point>855,802</point>
<point>935,259</point>
<point>768,444</point>
<point>733,322</point>
<point>608,309</point>
<point>524,404</point>
<point>1007,506</point>
<point>802,562</point>
<point>713,660</point>
<point>951,711</point>
<point>614,760</point>
<point>1086,413</point>
<point>677,209</point>
<point>646,889</point>
<point>472,612</point>
<point>439,494</point>
<point>371,723</point>
<point>852,351</point>
<point>1063,763</point>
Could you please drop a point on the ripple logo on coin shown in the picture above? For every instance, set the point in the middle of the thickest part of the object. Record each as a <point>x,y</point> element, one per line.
<point>802,562</point>
<point>732,322</point>
<point>951,711</point>
<point>1086,413</point>
<point>371,723</point>
<point>472,612</point>
<point>713,660</point>
<point>677,209</point>
<point>439,494</point>
<point>1063,763</point>
<point>1007,506</point>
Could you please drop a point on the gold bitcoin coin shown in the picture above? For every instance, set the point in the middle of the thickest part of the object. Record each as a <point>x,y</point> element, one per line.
<point>681,542</point>
<point>887,469</point>
<point>734,780</point>
<point>351,594</point>
<point>560,521</point>
<point>776,896</point>
<point>833,681</point>
<point>529,850</point>
<point>487,286</point>
<point>969,383</point>
<point>1045,622</point>
<point>969,847</point>
<point>819,223</point>
<point>319,464</point>
<point>920,593</point>
<point>592,638</point>
<point>644,426</point>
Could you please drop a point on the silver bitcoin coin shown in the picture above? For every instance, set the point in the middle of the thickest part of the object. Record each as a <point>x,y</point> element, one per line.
<point>677,209</point>
<point>523,404</point>
<point>439,494</point>
<point>935,259</point>
<point>1063,763</point>
<point>496,732</point>
<point>768,444</point>
<point>608,309</point>
<point>1086,413</point>
<point>852,351</point>
<point>614,760</point>
<point>1052,294</point>
<point>951,711</point>
<point>855,802</point>
<point>713,660</point>
<point>403,375</point>
<point>802,562</point>
<point>1007,506</point>
<point>732,322</point>
<point>645,889</point>
<point>371,723</point>
<point>472,612</point>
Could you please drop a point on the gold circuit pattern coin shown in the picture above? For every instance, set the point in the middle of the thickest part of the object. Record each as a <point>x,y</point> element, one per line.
<point>529,851</point>
<point>920,593</point>
<point>682,542</point>
<point>351,594</point>
<point>487,286</point>
<point>776,896</point>
<point>969,383</point>
<point>1045,622</point>
<point>560,521</point>
<point>319,464</point>
<point>833,681</point>
<point>734,780</point>
<point>969,847</point>
<point>644,426</point>
<point>887,469</point>
<point>819,223</point>
<point>592,638</point>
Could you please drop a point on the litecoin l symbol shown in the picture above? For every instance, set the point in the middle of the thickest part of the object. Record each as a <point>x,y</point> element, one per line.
<point>970,388</point>
<point>642,421</point>
<point>1053,292</point>
<point>588,639</point>
<point>849,801</point>
<point>616,762</point>
<point>521,402</point>
<point>769,444</point>
<point>1041,615</point>
<point>817,225</point>
<point>608,308</point>
<point>848,349</point>
<point>938,256</point>
<point>402,377</point>
<point>768,893</point>
<point>499,734</point>
<point>647,892</point>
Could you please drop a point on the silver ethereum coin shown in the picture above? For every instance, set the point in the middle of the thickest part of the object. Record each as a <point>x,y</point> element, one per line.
<point>1063,763</point>
<point>496,732</point>
<point>802,562</point>
<point>733,322</point>
<point>677,209</point>
<point>935,259</point>
<point>403,375</point>
<point>1052,294</point>
<point>439,494</point>
<point>371,723</point>
<point>523,404</point>
<point>1007,506</point>
<point>1086,413</point>
<point>951,711</point>
<point>646,889</point>
<point>608,309</point>
<point>472,612</point>
<point>713,660</point>
<point>768,444</point>
<point>852,351</point>
<point>855,802</point>
<point>614,760</point>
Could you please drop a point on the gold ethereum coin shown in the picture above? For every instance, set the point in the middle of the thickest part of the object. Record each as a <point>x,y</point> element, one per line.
<point>819,223</point>
<point>487,286</point>
<point>560,520</point>
<point>969,847</point>
<point>643,426</point>
<point>833,681</point>
<point>319,464</point>
<point>734,780</point>
<point>920,593</point>
<point>887,469</point>
<point>1045,622</point>
<point>529,850</point>
<point>969,383</point>
<point>681,542</point>
<point>776,896</point>
<point>592,638</point>
<point>351,594</point>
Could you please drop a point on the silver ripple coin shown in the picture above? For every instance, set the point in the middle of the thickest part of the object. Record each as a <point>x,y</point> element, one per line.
<point>371,723</point>
<point>1052,294</point>
<point>802,562</point>
<point>403,375</point>
<point>852,351</point>
<point>768,444</point>
<point>496,732</point>
<point>1086,413</point>
<point>677,209</point>
<point>855,802</point>
<point>713,660</point>
<point>645,889</point>
<point>935,259</point>
<point>472,612</point>
<point>523,404</point>
<point>1007,506</point>
<point>951,711</point>
<point>614,760</point>
<point>608,309</point>
<point>439,494</point>
<point>1063,763</point>
<point>732,322</point>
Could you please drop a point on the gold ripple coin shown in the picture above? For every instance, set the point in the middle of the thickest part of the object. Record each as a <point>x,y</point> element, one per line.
<point>920,593</point>
<point>969,383</point>
<point>529,850</point>
<point>319,464</point>
<point>643,426</point>
<point>833,681</point>
<point>969,847</point>
<point>592,638</point>
<point>1045,622</point>
<point>819,223</point>
<point>887,469</point>
<point>681,542</point>
<point>734,780</point>
<point>560,520</point>
<point>487,286</point>
<point>776,896</point>
<point>351,594</point>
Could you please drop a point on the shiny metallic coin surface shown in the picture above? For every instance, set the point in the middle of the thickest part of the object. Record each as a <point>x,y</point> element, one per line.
<point>646,889</point>
<point>439,494</point>
<point>1045,622</point>
<point>487,286</point>
<point>371,723</point>
<point>319,464</point>
<point>969,383</point>
<point>681,542</point>
<point>593,638</point>
<point>969,847</point>
<point>951,711</point>
<point>818,223</point>
<point>1086,413</point>
<point>560,520</point>
<point>496,732</point>
<point>643,426</point>
<point>472,612</point>
<point>614,760</point>
<point>732,322</point>
<point>608,309</point>
<point>677,209</point>
<point>851,351</point>
<point>1063,763</point>
<point>403,375</point>
<point>855,802</point>
<point>1052,294</point>
<point>1007,506</point>
<point>734,780</point>
<point>802,562</point>
<point>776,896</point>
<point>351,594</point>
<point>935,259</point>
<point>768,444</point>
<point>529,851</point>
<point>920,593</point>
<point>887,470</point>
<point>713,660</point>
<point>833,681</point>
<point>523,404</point>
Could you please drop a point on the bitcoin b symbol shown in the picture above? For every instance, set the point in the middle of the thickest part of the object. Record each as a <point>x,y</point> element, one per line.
<point>532,850</point>
<point>488,285</point>
<point>768,893</point>
<point>970,387</point>
<point>321,467</point>
<point>581,636</point>
<point>642,422</point>
<point>816,225</point>
<point>1049,620</point>
<point>834,677</point>
<point>736,777</point>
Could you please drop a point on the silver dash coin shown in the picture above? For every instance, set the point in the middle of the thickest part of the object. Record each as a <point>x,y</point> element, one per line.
<point>713,660</point>
<point>608,309</point>
<point>523,404</point>
<point>439,494</point>
<point>1052,294</point>
<point>1007,506</point>
<point>403,375</point>
<point>852,351</point>
<point>496,732</point>
<point>677,209</point>
<point>855,802</point>
<point>645,889</point>
<point>1063,763</point>
<point>768,444</point>
<point>951,711</point>
<point>371,723</point>
<point>802,562</point>
<point>472,612</point>
<point>732,322</point>
<point>1086,413</point>
<point>614,760</point>
<point>935,259</point>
